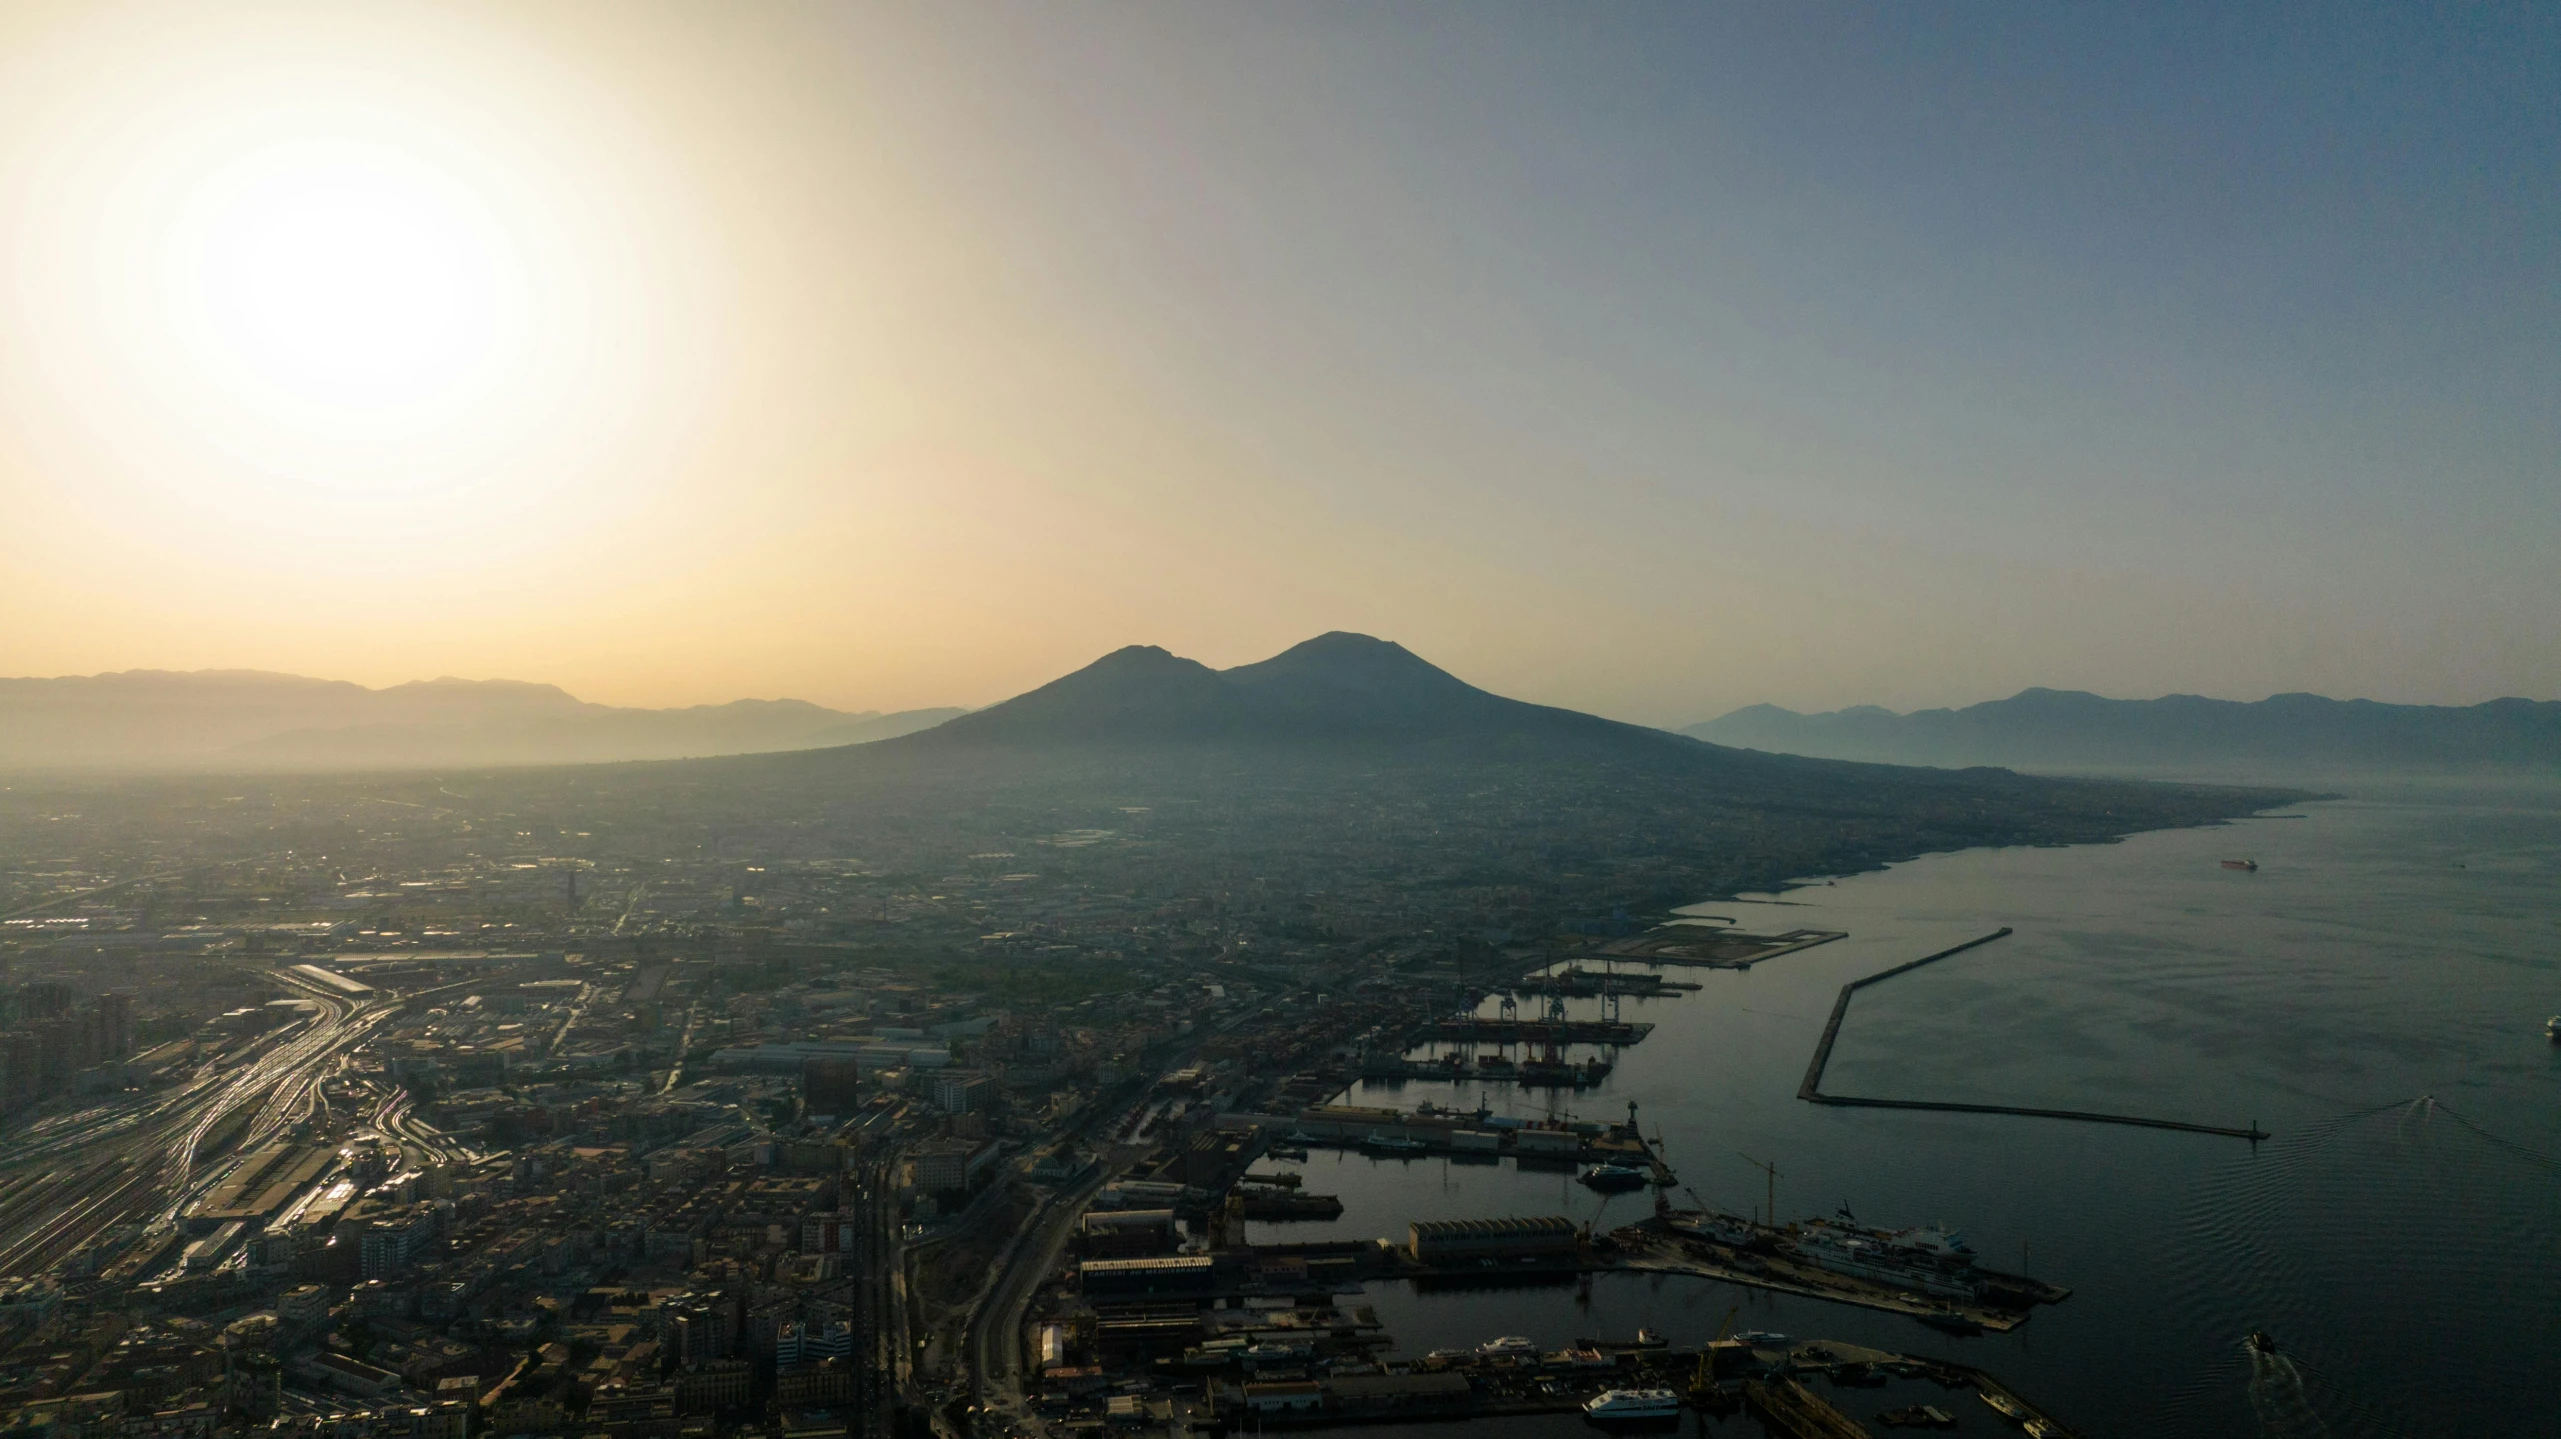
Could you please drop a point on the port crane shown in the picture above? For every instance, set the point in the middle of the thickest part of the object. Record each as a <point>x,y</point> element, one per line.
<point>1770,1168</point>
<point>1705,1379</point>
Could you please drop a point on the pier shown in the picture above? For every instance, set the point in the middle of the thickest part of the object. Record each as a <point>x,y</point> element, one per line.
<point>2001,1304</point>
<point>1707,946</point>
<point>1811,1089</point>
<point>1472,1030</point>
<point>1489,1069</point>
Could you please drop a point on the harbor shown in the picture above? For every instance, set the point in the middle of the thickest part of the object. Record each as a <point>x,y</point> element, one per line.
<point>1887,1219</point>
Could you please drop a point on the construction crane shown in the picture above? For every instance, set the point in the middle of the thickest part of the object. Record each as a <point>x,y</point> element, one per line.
<point>1769,1168</point>
<point>1705,1378</point>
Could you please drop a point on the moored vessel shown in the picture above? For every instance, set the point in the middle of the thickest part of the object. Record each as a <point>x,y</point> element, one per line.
<point>1611,1178</point>
<point>1631,1404</point>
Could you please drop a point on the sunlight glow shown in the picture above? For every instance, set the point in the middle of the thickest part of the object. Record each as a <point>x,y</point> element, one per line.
<point>390,286</point>
<point>333,279</point>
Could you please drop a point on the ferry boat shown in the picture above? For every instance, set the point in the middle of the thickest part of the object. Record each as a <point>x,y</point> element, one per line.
<point>1611,1178</point>
<point>1510,1346</point>
<point>1626,1404</point>
<point>2251,865</point>
<point>2004,1405</point>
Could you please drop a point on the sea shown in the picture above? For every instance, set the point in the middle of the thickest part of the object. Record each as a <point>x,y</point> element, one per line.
<point>2373,996</point>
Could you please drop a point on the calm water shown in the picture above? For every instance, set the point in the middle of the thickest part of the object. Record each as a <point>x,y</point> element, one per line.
<point>2374,995</point>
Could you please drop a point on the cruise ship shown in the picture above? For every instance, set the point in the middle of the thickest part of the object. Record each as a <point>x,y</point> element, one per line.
<point>1621,1405</point>
<point>1932,1261</point>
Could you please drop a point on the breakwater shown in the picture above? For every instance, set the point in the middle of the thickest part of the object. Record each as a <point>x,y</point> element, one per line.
<point>1811,1088</point>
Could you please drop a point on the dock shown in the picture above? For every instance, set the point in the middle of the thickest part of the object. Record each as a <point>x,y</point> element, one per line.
<point>1489,1069</point>
<point>1586,983</point>
<point>1707,946</point>
<point>1654,1247</point>
<point>1473,1030</point>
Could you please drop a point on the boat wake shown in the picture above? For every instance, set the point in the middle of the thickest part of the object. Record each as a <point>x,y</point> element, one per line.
<point>2288,1239</point>
<point>2279,1399</point>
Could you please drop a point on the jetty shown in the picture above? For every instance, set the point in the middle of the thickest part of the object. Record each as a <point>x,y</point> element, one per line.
<point>1811,1088</point>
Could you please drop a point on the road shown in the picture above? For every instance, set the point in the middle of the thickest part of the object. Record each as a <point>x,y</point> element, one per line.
<point>144,1159</point>
<point>880,1328</point>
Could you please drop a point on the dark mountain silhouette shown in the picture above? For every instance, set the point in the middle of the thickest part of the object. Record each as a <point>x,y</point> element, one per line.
<point>1349,761</point>
<point>1335,689</point>
<point>247,719</point>
<point>2069,729</point>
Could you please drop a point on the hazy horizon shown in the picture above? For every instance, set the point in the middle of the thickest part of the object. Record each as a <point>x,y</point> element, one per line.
<point>1649,362</point>
<point>529,682</point>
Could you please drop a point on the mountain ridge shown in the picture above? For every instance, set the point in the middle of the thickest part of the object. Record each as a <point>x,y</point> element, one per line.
<point>2078,729</point>
<point>261,719</point>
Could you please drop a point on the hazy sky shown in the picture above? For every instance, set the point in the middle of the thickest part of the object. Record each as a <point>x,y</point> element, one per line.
<point>1648,359</point>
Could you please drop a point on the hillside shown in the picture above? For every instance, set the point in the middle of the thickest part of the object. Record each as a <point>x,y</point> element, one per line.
<point>2063,729</point>
<point>1346,762</point>
<point>244,719</point>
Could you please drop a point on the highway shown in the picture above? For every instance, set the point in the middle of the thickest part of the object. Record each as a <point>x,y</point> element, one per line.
<point>144,1159</point>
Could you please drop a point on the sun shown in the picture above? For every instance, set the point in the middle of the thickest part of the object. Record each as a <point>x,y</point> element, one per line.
<point>338,279</point>
<point>384,282</point>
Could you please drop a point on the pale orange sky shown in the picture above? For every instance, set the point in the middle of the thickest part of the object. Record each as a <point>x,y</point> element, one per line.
<point>909,356</point>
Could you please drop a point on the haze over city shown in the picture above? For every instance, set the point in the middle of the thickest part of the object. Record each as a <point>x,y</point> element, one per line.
<point>1043,721</point>
<point>1652,361</point>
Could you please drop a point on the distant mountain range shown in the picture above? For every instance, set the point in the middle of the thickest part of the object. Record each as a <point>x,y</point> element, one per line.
<point>2068,729</point>
<point>245,719</point>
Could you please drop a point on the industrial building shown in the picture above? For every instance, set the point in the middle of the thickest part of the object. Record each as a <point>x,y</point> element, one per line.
<point>1446,1241</point>
<point>1138,1278</point>
<point>1128,1233</point>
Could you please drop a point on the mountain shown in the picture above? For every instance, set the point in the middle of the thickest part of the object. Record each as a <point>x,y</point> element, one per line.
<point>1345,765</point>
<point>247,719</point>
<point>2068,729</point>
<point>1335,689</point>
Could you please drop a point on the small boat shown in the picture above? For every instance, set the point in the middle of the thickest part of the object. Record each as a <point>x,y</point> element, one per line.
<point>1627,1404</point>
<point>2552,1029</point>
<point>1510,1346</point>
<point>2251,865</point>
<point>1917,1416</point>
<point>1391,1143</point>
<point>1648,1339</point>
<point>2260,1343</point>
<point>1286,1151</point>
<point>2003,1405</point>
<point>1611,1178</point>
